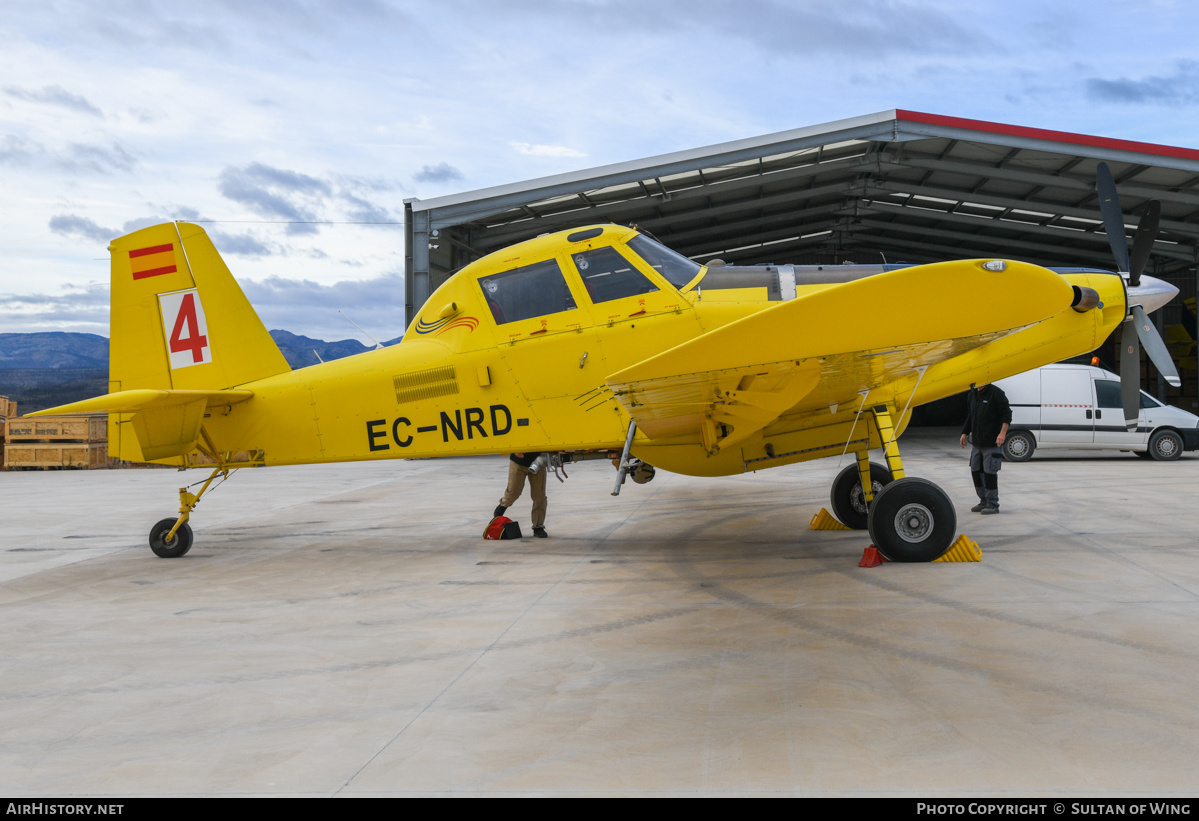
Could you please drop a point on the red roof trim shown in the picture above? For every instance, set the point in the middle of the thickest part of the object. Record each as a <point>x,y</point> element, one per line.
<point>1045,134</point>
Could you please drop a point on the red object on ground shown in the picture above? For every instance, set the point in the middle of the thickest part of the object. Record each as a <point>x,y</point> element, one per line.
<point>872,558</point>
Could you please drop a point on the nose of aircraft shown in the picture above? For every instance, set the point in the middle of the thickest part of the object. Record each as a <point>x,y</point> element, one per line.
<point>1151,294</point>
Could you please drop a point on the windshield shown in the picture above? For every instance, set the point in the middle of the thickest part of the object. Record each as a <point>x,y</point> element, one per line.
<point>676,268</point>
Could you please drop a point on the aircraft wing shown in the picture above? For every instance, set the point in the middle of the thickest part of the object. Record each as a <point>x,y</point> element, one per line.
<point>826,347</point>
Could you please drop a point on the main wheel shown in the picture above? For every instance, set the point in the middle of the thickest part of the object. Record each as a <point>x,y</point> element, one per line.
<point>1165,446</point>
<point>179,544</point>
<point>1018,446</point>
<point>847,498</point>
<point>912,520</point>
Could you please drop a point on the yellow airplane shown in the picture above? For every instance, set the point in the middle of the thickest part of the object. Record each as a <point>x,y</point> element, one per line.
<point>593,342</point>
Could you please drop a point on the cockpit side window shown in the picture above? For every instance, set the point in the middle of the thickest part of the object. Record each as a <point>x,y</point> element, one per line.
<point>608,276</point>
<point>673,266</point>
<point>527,292</point>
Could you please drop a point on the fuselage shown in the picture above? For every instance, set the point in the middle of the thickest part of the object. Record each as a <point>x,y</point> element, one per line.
<point>514,351</point>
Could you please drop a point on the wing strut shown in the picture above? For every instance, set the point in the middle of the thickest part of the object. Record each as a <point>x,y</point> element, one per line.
<point>862,394</point>
<point>920,369</point>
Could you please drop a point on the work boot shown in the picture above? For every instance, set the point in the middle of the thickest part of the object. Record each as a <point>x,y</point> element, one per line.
<point>540,533</point>
<point>991,509</point>
<point>499,511</point>
<point>978,508</point>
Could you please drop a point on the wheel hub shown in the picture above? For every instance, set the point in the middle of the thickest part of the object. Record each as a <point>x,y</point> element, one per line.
<point>1165,446</point>
<point>913,523</point>
<point>857,498</point>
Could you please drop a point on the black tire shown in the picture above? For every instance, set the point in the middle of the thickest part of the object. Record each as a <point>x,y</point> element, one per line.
<point>848,501</point>
<point>912,520</point>
<point>1019,446</point>
<point>1165,445</point>
<point>176,547</point>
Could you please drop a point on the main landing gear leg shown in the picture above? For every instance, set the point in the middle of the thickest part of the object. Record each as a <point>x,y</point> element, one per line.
<point>171,538</point>
<point>910,520</point>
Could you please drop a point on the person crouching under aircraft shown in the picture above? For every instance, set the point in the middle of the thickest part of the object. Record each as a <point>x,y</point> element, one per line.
<point>986,424</point>
<point>518,469</point>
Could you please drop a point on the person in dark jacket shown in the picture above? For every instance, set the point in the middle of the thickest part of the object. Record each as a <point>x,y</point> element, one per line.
<point>986,424</point>
<point>518,469</point>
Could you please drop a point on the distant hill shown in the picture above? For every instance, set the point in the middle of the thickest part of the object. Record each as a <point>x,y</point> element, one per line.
<point>301,351</point>
<point>53,350</point>
<point>46,369</point>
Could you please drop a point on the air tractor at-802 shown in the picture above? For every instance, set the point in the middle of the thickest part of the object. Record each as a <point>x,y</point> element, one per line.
<point>601,341</point>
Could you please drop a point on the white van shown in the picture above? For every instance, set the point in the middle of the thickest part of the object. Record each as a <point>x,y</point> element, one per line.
<point>1079,406</point>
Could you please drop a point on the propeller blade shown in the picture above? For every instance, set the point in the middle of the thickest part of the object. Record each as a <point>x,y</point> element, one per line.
<point>1113,217</point>
<point>1130,373</point>
<point>1154,346</point>
<point>1142,241</point>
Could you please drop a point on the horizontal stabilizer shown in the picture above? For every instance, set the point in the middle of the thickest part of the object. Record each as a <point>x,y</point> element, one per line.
<point>147,399</point>
<point>166,422</point>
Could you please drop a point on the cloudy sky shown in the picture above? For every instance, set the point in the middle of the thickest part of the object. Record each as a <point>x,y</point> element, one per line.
<point>297,129</point>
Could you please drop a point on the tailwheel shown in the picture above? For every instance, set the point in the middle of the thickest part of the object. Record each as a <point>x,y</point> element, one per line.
<point>177,545</point>
<point>848,500</point>
<point>912,520</point>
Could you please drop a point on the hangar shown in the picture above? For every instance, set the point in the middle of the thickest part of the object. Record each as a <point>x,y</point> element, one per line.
<point>896,186</point>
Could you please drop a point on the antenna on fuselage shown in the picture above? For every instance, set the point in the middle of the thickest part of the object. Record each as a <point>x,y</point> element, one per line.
<point>378,344</point>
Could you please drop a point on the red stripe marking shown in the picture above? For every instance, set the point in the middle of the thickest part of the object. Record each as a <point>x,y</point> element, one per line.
<point>157,249</point>
<point>153,272</point>
<point>1046,134</point>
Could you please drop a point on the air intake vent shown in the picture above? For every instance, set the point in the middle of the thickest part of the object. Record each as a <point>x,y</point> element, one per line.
<point>425,384</point>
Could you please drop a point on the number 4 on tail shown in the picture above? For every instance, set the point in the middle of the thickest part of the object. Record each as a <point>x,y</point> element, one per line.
<point>186,329</point>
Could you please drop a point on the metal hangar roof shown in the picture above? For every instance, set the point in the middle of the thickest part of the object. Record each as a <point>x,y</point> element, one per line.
<point>897,185</point>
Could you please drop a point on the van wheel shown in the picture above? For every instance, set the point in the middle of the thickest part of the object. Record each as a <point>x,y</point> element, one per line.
<point>1018,446</point>
<point>1165,446</point>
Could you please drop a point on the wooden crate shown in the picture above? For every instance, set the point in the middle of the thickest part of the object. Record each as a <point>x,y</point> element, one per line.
<point>44,455</point>
<point>58,429</point>
<point>8,408</point>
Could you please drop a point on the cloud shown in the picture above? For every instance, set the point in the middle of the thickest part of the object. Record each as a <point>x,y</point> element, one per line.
<point>55,95</point>
<point>16,150</point>
<point>73,225</point>
<point>240,244</point>
<point>272,192</point>
<point>1180,88</point>
<point>531,150</point>
<point>81,157</point>
<point>311,309</point>
<point>301,199</point>
<point>78,309</point>
<point>300,306</point>
<point>442,172</point>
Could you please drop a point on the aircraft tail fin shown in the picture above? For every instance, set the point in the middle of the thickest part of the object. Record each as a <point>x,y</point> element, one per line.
<point>179,319</point>
<point>181,325</point>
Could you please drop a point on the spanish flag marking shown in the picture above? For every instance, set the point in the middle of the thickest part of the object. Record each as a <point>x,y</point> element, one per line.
<point>154,261</point>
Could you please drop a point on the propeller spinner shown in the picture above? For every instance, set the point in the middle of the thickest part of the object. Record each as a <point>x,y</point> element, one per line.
<point>1137,328</point>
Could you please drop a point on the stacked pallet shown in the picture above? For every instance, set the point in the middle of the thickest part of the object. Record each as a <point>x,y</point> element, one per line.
<point>47,442</point>
<point>7,408</point>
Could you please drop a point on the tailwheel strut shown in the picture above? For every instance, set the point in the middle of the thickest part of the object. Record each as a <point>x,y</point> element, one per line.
<point>172,537</point>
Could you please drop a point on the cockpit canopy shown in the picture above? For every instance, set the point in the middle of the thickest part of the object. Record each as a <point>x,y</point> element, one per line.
<point>608,273</point>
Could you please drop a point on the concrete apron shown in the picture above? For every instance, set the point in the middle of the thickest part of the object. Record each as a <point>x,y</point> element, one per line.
<point>344,630</point>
